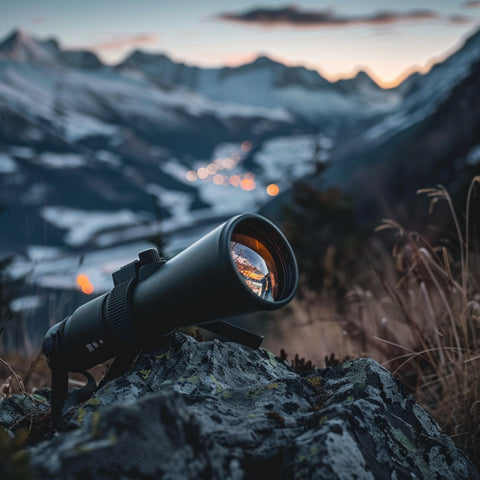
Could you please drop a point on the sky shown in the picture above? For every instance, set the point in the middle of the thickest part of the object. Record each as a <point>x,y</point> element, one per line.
<point>388,39</point>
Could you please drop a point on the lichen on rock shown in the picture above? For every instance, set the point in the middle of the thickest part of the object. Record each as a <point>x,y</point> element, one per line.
<point>220,410</point>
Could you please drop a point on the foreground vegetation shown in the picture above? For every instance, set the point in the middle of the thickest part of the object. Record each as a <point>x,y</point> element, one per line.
<point>416,310</point>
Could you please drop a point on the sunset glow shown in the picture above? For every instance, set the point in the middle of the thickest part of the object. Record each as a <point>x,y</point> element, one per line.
<point>358,35</point>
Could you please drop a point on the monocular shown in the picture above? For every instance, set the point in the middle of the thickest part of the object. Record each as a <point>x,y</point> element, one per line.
<point>242,266</point>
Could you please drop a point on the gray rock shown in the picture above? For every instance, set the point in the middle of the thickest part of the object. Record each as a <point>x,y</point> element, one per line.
<point>219,410</point>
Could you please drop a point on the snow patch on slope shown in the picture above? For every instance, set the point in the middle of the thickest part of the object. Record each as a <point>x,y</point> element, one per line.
<point>285,159</point>
<point>62,160</point>
<point>177,203</point>
<point>7,164</point>
<point>82,225</point>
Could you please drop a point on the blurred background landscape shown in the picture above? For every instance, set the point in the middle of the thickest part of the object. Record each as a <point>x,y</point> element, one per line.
<point>125,125</point>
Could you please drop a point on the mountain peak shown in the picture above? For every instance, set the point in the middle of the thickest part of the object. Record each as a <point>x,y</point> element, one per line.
<point>22,47</point>
<point>144,60</point>
<point>363,77</point>
<point>361,83</point>
<point>15,38</point>
<point>263,59</point>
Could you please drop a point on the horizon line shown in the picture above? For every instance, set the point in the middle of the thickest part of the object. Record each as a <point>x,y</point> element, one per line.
<point>255,56</point>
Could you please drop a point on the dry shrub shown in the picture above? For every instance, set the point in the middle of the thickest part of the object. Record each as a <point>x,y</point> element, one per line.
<point>416,311</point>
<point>439,299</point>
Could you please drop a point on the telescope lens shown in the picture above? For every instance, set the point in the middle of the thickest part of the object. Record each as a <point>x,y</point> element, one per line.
<point>255,264</point>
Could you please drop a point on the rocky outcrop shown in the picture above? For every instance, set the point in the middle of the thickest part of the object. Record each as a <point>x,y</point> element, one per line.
<point>219,410</point>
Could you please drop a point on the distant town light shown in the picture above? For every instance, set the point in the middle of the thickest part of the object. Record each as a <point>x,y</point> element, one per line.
<point>229,163</point>
<point>273,190</point>
<point>235,180</point>
<point>218,179</point>
<point>246,146</point>
<point>212,169</point>
<point>191,175</point>
<point>202,173</point>
<point>84,283</point>
<point>248,184</point>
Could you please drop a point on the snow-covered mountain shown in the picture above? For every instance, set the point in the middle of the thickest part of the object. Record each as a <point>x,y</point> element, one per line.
<point>431,138</point>
<point>86,144</point>
<point>422,94</point>
<point>270,84</point>
<point>21,47</point>
<point>86,148</point>
<point>75,96</point>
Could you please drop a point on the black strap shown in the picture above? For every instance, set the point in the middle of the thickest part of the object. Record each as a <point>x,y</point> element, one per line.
<point>82,394</point>
<point>59,377</point>
<point>234,333</point>
<point>120,365</point>
<point>59,394</point>
<point>62,400</point>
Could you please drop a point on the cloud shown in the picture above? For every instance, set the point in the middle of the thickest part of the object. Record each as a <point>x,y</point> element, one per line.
<point>295,17</point>
<point>122,42</point>
<point>37,20</point>
<point>472,4</point>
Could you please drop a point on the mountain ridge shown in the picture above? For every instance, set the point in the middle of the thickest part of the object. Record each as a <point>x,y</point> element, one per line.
<point>21,46</point>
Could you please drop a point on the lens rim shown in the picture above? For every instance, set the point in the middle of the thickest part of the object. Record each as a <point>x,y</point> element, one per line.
<point>275,242</point>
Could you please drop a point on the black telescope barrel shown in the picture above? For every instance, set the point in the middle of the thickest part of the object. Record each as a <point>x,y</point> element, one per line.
<point>201,284</point>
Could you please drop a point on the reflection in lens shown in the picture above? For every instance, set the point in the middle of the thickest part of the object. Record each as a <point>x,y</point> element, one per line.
<point>254,270</point>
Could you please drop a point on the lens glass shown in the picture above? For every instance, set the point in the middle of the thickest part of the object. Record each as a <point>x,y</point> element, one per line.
<point>255,265</point>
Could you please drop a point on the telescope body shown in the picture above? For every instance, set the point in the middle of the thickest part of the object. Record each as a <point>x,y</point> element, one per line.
<point>242,266</point>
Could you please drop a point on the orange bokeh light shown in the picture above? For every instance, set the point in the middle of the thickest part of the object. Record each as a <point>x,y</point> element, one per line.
<point>248,184</point>
<point>273,190</point>
<point>84,283</point>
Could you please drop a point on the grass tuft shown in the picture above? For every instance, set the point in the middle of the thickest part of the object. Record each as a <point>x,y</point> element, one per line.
<point>439,298</point>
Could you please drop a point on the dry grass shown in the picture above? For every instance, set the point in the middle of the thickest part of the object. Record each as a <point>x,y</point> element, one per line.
<point>20,374</point>
<point>440,302</point>
<point>417,312</point>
